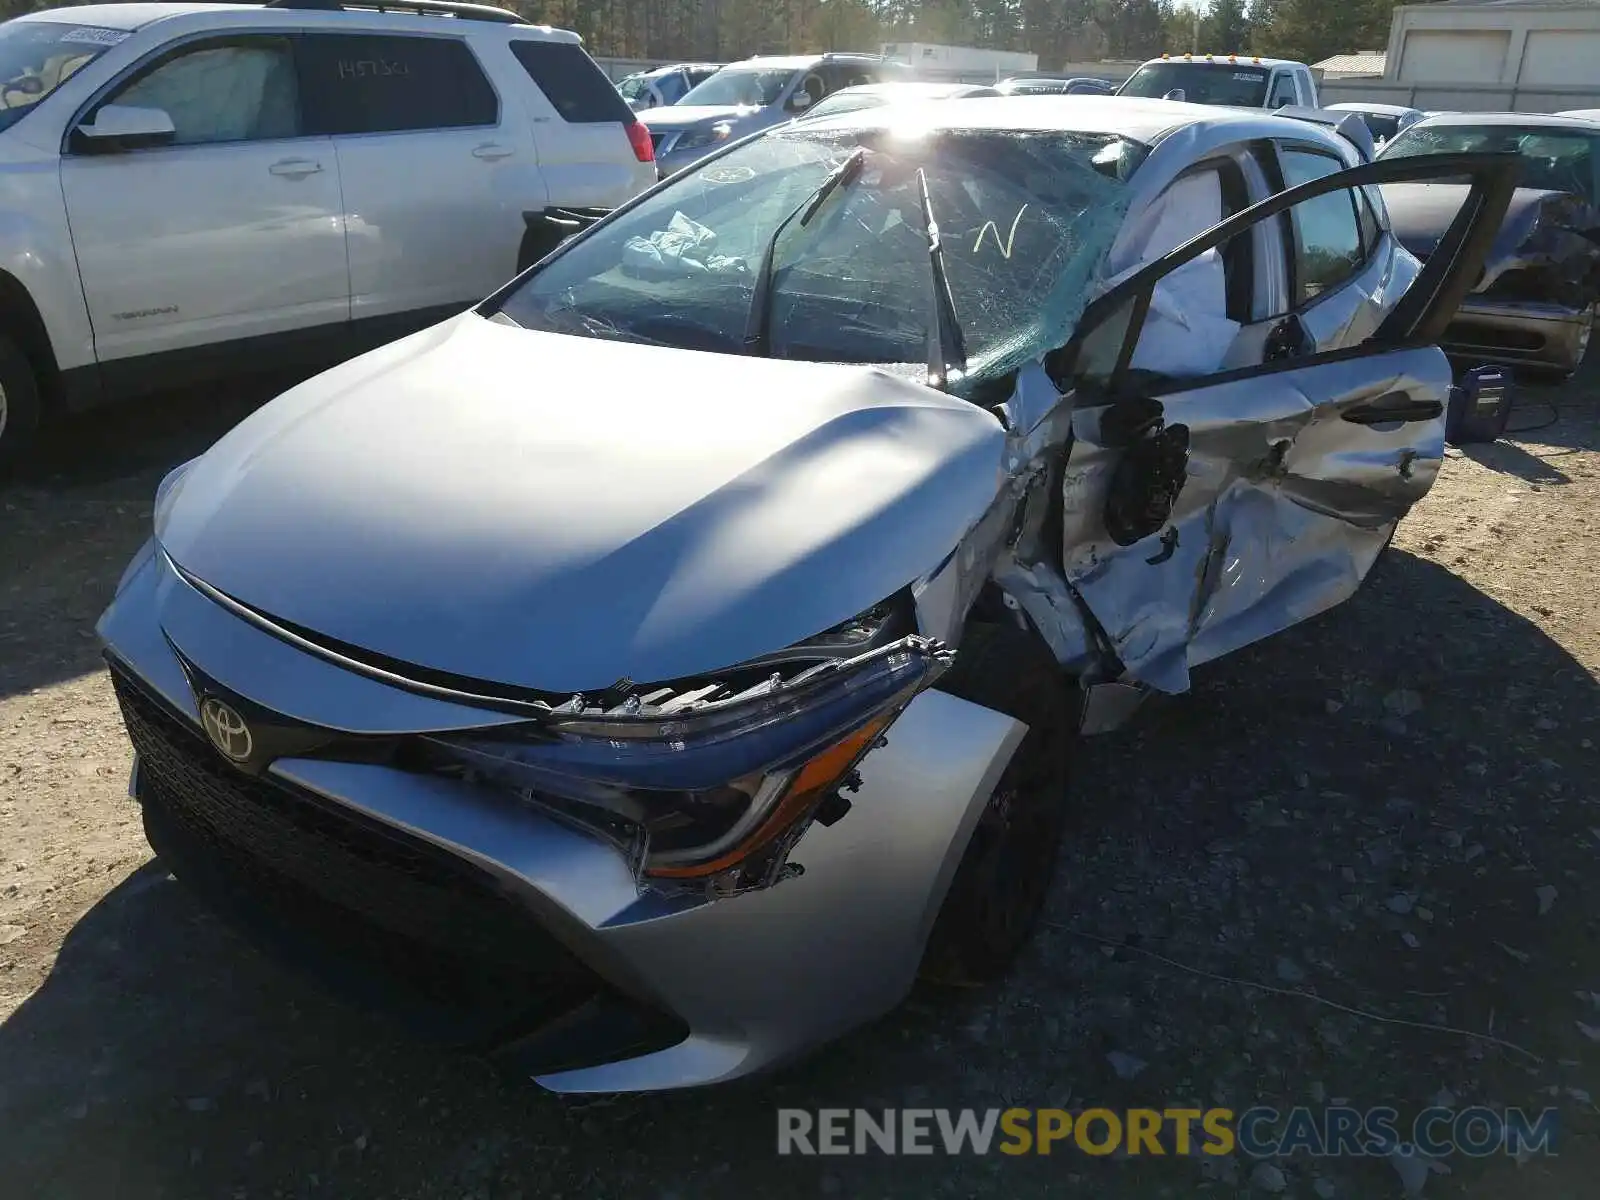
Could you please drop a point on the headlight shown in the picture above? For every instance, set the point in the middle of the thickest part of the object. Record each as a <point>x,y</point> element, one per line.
<point>714,779</point>
<point>695,138</point>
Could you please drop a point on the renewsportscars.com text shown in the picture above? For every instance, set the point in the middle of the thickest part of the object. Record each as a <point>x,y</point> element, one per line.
<point>1258,1132</point>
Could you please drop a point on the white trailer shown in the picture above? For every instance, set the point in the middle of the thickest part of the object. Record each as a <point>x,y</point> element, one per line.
<point>925,56</point>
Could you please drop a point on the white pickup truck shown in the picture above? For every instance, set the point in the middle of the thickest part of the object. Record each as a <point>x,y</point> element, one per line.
<point>1236,80</point>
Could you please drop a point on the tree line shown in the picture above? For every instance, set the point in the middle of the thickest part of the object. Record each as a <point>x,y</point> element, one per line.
<point>1058,31</point>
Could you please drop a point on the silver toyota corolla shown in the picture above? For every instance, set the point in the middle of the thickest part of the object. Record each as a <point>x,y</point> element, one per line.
<point>645,675</point>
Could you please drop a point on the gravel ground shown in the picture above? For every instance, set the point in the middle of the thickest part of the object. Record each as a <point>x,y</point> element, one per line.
<point>1391,808</point>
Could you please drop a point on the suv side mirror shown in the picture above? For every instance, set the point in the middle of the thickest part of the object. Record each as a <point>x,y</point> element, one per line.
<point>801,100</point>
<point>1177,94</point>
<point>124,127</point>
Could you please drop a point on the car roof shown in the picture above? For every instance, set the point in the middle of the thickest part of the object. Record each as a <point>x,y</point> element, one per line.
<point>1530,120</point>
<point>1222,60</point>
<point>1581,114</point>
<point>1386,110</point>
<point>669,68</point>
<point>137,15</point>
<point>796,62</point>
<point>1119,116</point>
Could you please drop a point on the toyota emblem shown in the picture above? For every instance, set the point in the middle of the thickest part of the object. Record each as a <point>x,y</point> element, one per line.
<point>227,730</point>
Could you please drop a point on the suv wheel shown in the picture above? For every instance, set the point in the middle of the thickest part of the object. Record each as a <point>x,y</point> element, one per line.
<point>1004,876</point>
<point>19,402</point>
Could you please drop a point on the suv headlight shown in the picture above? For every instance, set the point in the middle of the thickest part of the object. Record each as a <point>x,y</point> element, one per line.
<point>715,779</point>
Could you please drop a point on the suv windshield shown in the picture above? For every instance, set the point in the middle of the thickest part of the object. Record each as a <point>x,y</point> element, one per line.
<point>37,57</point>
<point>1557,160</point>
<point>1202,83</point>
<point>1025,219</point>
<point>753,86</point>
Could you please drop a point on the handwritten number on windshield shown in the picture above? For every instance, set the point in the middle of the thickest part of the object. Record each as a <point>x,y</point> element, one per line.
<point>1011,238</point>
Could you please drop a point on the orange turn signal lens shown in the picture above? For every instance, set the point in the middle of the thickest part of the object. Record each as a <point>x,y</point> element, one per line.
<point>810,786</point>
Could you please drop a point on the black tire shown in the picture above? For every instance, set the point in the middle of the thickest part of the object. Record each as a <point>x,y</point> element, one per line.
<point>19,403</point>
<point>1004,876</point>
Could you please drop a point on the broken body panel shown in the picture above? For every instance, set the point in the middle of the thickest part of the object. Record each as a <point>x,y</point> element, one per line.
<point>1533,307</point>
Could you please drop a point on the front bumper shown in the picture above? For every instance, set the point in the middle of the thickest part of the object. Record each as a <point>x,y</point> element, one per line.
<point>517,934</point>
<point>1533,336</point>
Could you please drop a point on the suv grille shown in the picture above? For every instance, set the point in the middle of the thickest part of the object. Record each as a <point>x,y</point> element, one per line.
<point>396,919</point>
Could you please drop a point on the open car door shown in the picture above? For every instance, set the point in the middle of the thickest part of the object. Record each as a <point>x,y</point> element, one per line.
<point>1201,514</point>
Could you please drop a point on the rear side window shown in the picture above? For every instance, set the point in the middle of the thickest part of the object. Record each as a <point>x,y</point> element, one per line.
<point>362,83</point>
<point>570,80</point>
<point>1327,238</point>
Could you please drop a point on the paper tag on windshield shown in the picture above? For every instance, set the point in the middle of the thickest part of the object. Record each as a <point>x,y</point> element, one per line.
<point>1246,77</point>
<point>90,35</point>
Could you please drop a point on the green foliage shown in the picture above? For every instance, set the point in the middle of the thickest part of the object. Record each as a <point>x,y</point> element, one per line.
<point>1058,31</point>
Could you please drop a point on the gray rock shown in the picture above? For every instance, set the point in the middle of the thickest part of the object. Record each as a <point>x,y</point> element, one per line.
<point>198,1104</point>
<point>1402,702</point>
<point>1400,904</point>
<point>1125,1065</point>
<point>1290,971</point>
<point>1547,897</point>
<point>1268,1177</point>
<point>1412,1169</point>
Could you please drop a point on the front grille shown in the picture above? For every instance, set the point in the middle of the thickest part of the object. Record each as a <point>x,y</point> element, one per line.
<point>414,924</point>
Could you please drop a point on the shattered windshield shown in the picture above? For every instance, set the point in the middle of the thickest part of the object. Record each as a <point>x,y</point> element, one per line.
<point>1025,219</point>
<point>1553,159</point>
<point>1202,83</point>
<point>741,86</point>
<point>36,57</point>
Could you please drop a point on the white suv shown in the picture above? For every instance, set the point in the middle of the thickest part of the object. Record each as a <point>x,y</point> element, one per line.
<point>186,184</point>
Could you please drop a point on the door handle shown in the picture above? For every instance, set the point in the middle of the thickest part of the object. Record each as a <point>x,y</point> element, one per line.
<point>295,168</point>
<point>1395,407</point>
<point>490,151</point>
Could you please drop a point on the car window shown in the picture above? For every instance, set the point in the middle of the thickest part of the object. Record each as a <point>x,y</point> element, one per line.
<point>756,87</point>
<point>242,91</point>
<point>1326,236</point>
<point>369,83</point>
<point>36,57</point>
<point>1558,160</point>
<point>573,83</point>
<point>1202,82</point>
<point>1282,90</point>
<point>1025,219</point>
<point>814,83</point>
<point>847,102</point>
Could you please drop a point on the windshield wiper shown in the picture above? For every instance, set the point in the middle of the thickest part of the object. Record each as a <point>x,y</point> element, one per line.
<point>947,350</point>
<point>757,325</point>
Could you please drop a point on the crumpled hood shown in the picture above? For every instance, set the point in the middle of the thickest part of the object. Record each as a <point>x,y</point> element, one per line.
<point>676,116</point>
<point>1534,227</point>
<point>558,512</point>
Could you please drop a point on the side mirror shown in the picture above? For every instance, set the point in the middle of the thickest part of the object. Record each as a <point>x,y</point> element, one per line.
<point>124,127</point>
<point>801,100</point>
<point>1177,94</point>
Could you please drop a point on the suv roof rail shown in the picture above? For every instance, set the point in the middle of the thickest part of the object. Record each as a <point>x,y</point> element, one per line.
<point>855,54</point>
<point>437,8</point>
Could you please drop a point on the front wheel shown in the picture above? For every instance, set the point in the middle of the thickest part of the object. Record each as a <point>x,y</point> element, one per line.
<point>1004,877</point>
<point>19,402</point>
